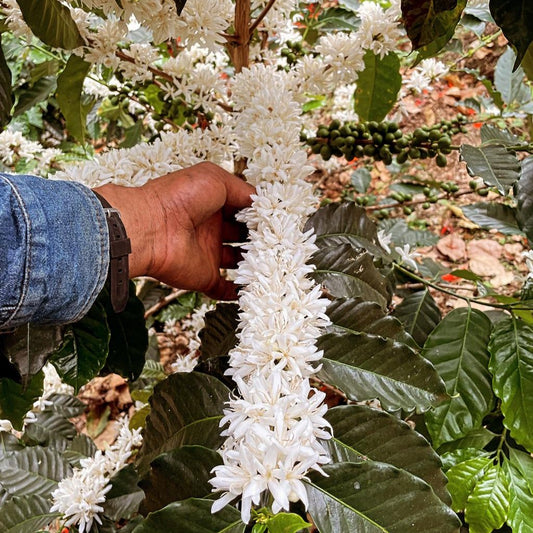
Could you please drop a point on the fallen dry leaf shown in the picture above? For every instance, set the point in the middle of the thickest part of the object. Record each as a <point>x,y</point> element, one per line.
<point>484,264</point>
<point>502,279</point>
<point>452,246</point>
<point>486,246</point>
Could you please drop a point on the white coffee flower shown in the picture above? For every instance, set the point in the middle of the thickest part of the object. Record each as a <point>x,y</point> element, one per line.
<point>407,256</point>
<point>5,426</point>
<point>528,256</point>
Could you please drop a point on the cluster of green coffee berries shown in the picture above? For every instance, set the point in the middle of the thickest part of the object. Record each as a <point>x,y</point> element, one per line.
<point>292,51</point>
<point>383,140</point>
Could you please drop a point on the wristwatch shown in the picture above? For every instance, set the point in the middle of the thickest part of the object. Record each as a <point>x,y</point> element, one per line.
<point>120,248</point>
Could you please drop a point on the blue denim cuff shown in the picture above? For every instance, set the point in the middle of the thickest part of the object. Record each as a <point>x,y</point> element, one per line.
<point>56,250</point>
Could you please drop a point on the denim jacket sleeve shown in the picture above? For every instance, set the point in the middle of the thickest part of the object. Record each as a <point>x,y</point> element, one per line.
<point>54,250</point>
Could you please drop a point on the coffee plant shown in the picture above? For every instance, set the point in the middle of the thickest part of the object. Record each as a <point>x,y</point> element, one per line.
<point>334,396</point>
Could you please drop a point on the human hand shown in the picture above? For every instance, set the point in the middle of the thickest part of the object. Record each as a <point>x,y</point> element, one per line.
<point>178,224</point>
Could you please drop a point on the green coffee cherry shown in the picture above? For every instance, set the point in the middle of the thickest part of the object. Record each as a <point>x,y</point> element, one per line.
<point>441,160</point>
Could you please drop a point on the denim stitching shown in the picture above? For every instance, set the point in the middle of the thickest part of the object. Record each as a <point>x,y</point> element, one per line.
<point>27,261</point>
<point>102,231</point>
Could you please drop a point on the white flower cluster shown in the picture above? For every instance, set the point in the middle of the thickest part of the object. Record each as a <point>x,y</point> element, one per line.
<point>191,328</point>
<point>275,22</point>
<point>52,384</point>
<point>79,498</point>
<point>159,16</point>
<point>14,147</point>
<point>424,75</point>
<point>135,166</point>
<point>273,429</point>
<point>204,22</point>
<point>195,77</point>
<point>341,55</point>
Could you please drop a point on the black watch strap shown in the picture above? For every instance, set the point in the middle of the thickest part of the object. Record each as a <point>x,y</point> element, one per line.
<point>119,248</point>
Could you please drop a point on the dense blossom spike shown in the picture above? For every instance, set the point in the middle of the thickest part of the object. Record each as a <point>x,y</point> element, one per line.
<point>273,429</point>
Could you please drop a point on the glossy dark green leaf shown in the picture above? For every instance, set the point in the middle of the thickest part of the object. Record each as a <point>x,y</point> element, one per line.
<point>361,431</point>
<point>337,18</point>
<point>33,470</point>
<point>458,350</point>
<point>419,314</point>
<point>30,95</point>
<point>218,336</point>
<point>179,474</point>
<point>513,17</point>
<point>487,505</point>
<point>523,192</point>
<point>478,438</point>
<point>491,216</point>
<point>185,409</point>
<point>377,86</point>
<point>192,516</point>
<point>359,316</point>
<point>50,429</point>
<point>511,364</point>
<point>463,477</point>
<point>25,514</point>
<point>16,400</point>
<point>29,347</point>
<point>367,366</point>
<point>521,501</point>
<point>527,63</point>
<point>79,448</point>
<point>400,233</point>
<point>84,349</point>
<point>65,404</point>
<point>9,443</point>
<point>69,96</point>
<point>493,135</point>
<point>345,223</point>
<point>453,458</point>
<point>124,498</point>
<point>6,96</point>
<point>372,497</point>
<point>129,337</point>
<point>524,463</point>
<point>44,69</point>
<point>52,22</point>
<point>348,272</point>
<point>429,21</point>
<point>183,306</point>
<point>497,166</point>
<point>509,80</point>
<point>360,179</point>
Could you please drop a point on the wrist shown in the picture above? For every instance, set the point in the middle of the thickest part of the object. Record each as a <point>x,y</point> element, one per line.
<point>139,222</point>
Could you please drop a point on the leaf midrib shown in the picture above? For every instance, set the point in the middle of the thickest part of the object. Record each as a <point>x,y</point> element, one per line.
<point>403,383</point>
<point>341,502</point>
<point>518,366</point>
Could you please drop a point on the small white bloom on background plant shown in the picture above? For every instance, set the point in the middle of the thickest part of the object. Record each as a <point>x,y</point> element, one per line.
<point>407,256</point>
<point>379,30</point>
<point>528,256</point>
<point>417,82</point>
<point>384,240</point>
<point>79,498</point>
<point>6,426</point>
